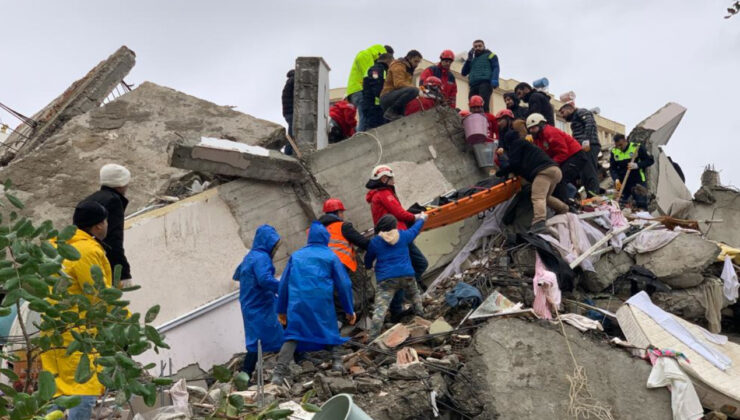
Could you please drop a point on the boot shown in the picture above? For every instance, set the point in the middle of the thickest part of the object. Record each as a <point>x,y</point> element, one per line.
<point>278,375</point>
<point>538,227</point>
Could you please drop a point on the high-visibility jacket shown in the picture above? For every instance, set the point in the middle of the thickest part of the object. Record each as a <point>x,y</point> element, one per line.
<point>624,156</point>
<point>341,246</point>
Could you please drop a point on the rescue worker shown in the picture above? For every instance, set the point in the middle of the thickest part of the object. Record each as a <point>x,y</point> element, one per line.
<point>584,129</point>
<point>482,68</point>
<point>305,301</point>
<point>620,162</point>
<point>363,61</point>
<point>342,121</point>
<point>524,159</point>
<point>287,99</point>
<point>504,121</point>
<point>343,238</point>
<point>430,95</point>
<point>398,88</point>
<point>566,152</point>
<point>90,218</point>
<point>372,85</point>
<point>442,71</point>
<point>114,180</point>
<point>476,105</point>
<point>537,102</point>
<point>513,105</point>
<point>258,289</point>
<point>388,250</point>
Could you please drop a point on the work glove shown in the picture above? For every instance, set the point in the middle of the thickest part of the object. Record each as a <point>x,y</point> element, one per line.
<point>421,216</point>
<point>633,165</point>
<point>586,145</point>
<point>283,318</point>
<point>618,185</point>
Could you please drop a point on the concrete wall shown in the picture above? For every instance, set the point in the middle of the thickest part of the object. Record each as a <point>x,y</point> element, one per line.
<point>727,209</point>
<point>311,104</point>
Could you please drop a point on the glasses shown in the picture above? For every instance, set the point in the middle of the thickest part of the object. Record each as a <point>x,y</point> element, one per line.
<point>447,59</point>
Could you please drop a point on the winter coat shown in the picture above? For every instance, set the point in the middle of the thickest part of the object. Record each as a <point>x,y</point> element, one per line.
<point>492,125</point>
<point>556,143</point>
<point>399,75</point>
<point>345,115</point>
<point>538,102</point>
<point>392,255</point>
<point>348,231</point>
<point>383,200</point>
<point>258,292</point>
<point>363,61</point>
<point>583,126</point>
<point>422,102</point>
<point>306,293</point>
<point>288,94</point>
<point>372,85</point>
<point>449,85</point>
<point>56,361</point>
<point>522,157</point>
<point>520,112</point>
<point>482,68</point>
<point>618,168</point>
<point>115,203</point>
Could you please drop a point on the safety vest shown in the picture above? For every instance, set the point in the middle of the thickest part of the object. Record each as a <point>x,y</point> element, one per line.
<point>620,155</point>
<point>341,246</point>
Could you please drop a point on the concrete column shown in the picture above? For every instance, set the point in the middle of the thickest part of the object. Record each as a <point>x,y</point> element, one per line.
<point>311,104</point>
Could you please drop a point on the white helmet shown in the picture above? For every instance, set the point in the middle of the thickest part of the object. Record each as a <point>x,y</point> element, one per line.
<point>535,119</point>
<point>380,171</point>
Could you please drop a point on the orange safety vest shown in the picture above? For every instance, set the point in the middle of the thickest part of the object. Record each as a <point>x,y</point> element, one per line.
<point>341,246</point>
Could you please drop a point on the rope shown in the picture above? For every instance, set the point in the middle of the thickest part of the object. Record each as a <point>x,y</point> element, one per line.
<point>380,146</point>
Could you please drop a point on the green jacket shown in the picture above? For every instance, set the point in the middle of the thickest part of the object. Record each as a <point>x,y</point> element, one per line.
<point>363,61</point>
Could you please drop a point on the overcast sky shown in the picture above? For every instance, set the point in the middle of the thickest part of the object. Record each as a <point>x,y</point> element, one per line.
<point>629,57</point>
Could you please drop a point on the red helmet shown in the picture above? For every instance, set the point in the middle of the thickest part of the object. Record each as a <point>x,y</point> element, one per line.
<point>447,55</point>
<point>333,204</point>
<point>475,100</point>
<point>464,113</point>
<point>432,81</point>
<point>505,113</point>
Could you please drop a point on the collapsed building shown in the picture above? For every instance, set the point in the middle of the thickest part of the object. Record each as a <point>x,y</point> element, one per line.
<point>206,176</point>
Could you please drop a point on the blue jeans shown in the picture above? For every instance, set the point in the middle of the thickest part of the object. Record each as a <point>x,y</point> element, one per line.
<point>356,100</point>
<point>420,264</point>
<point>83,411</point>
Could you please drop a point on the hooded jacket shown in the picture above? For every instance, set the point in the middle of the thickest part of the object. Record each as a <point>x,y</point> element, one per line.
<point>520,112</point>
<point>345,115</point>
<point>449,85</point>
<point>399,76</point>
<point>116,204</point>
<point>391,250</point>
<point>538,102</point>
<point>306,293</point>
<point>556,143</point>
<point>287,96</point>
<point>383,200</point>
<point>363,61</point>
<point>522,157</point>
<point>56,361</point>
<point>258,292</point>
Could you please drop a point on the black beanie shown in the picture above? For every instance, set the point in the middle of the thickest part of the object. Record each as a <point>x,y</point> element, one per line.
<point>386,224</point>
<point>89,213</point>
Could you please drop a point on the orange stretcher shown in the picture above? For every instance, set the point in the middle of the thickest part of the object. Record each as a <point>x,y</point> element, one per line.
<point>471,205</point>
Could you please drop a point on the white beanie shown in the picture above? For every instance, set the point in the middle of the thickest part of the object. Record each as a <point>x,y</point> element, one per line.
<point>112,175</point>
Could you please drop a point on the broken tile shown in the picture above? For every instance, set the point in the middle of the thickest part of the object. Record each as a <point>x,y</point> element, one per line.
<point>394,336</point>
<point>406,355</point>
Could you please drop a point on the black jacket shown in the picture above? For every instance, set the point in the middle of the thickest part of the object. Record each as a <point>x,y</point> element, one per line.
<point>372,85</point>
<point>116,204</point>
<point>350,233</point>
<point>288,94</point>
<point>540,103</point>
<point>520,112</point>
<point>583,126</point>
<point>618,169</point>
<point>522,157</point>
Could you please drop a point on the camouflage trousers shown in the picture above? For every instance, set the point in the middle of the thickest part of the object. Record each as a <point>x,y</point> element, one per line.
<point>383,296</point>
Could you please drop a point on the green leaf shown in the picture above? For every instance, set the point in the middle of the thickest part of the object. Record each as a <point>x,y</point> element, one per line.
<point>307,396</point>
<point>131,288</point>
<point>68,252</point>
<point>97,274</point>
<point>5,312</point>
<point>110,294</point>
<point>221,373</point>
<point>241,381</point>
<point>151,314</point>
<point>67,233</point>
<point>153,336</point>
<point>68,401</point>
<point>12,297</point>
<point>48,249</point>
<point>237,401</point>
<point>69,316</point>
<point>47,386</point>
<point>138,348</point>
<point>25,229</point>
<point>150,397</point>
<point>121,398</point>
<point>83,372</point>
<point>124,360</point>
<point>108,361</point>
<point>117,270</point>
<point>8,272</point>
<point>311,408</point>
<point>278,413</point>
<point>162,381</point>
<point>73,347</point>
<point>49,268</point>
<point>12,377</point>
<point>8,390</point>
<point>150,366</point>
<point>14,200</point>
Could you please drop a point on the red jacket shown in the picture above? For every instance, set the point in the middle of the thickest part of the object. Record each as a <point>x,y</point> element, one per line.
<point>492,126</point>
<point>418,104</point>
<point>449,87</point>
<point>556,143</point>
<point>344,114</point>
<point>383,201</point>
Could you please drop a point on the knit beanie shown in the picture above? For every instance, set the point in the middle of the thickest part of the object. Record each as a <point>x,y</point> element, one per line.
<point>88,214</point>
<point>386,224</point>
<point>113,175</point>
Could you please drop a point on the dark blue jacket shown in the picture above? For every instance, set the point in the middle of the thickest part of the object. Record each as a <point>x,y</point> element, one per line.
<point>372,85</point>
<point>258,292</point>
<point>392,260</point>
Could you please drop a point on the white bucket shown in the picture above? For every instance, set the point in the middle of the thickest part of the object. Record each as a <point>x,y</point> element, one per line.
<point>484,154</point>
<point>341,407</point>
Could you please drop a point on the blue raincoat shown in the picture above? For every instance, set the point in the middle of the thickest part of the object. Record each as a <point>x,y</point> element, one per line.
<point>258,288</point>
<point>307,293</point>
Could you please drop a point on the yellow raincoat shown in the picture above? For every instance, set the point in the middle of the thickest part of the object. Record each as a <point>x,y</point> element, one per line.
<point>55,361</point>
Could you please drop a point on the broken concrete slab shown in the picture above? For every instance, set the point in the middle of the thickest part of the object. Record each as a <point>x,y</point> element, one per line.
<point>518,371</point>
<point>608,268</point>
<point>311,104</point>
<point>408,371</point>
<point>724,205</point>
<point>675,263</point>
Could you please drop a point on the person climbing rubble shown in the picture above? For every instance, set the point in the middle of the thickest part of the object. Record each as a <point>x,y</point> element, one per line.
<point>430,95</point>
<point>343,238</point>
<point>305,301</point>
<point>476,104</point>
<point>620,161</point>
<point>342,121</point>
<point>584,129</point>
<point>258,289</point>
<point>522,158</point>
<point>398,88</point>
<point>114,180</point>
<point>372,85</point>
<point>566,152</point>
<point>482,68</point>
<point>362,62</point>
<point>442,71</point>
<point>537,102</point>
<point>506,122</point>
<point>393,269</point>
